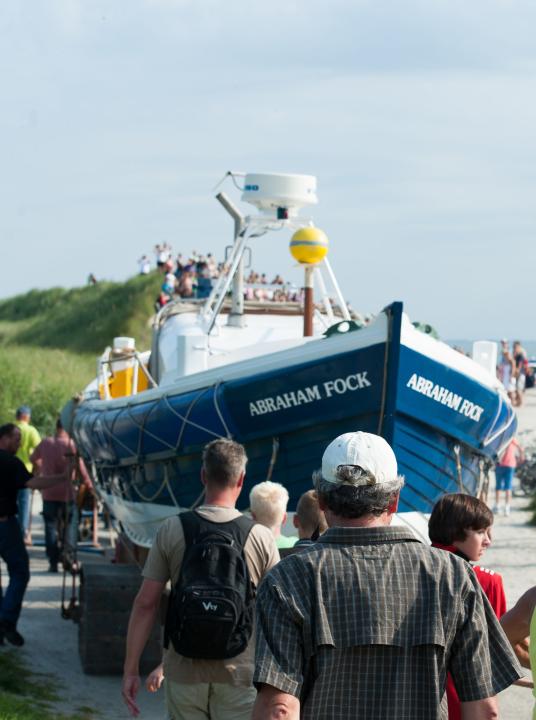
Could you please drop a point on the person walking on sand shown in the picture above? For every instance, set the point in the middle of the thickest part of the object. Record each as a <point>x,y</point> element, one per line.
<point>203,679</point>
<point>505,469</point>
<point>54,455</point>
<point>521,364</point>
<point>13,477</point>
<point>506,372</point>
<point>367,621</point>
<point>30,439</point>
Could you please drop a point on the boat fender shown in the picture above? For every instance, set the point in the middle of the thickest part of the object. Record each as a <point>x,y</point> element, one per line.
<point>340,328</point>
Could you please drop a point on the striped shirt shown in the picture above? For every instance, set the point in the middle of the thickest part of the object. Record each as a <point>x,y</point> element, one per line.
<point>367,622</point>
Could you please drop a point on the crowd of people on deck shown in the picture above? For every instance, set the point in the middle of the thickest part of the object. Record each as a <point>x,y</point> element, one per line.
<point>193,276</point>
<point>354,617</point>
<point>514,371</point>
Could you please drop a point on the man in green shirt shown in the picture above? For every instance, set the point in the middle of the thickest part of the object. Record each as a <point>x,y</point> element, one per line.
<point>30,439</point>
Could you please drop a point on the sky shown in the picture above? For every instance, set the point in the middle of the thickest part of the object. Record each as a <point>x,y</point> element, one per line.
<point>418,117</point>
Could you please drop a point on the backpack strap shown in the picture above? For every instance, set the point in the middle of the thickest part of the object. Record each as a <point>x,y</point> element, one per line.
<point>240,528</point>
<point>194,525</point>
<point>191,525</point>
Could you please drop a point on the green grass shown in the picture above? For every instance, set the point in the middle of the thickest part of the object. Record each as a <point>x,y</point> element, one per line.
<point>81,319</point>
<point>50,340</point>
<point>31,696</point>
<point>42,378</point>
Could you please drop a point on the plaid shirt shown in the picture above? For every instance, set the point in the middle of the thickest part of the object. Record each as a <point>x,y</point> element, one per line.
<point>367,622</point>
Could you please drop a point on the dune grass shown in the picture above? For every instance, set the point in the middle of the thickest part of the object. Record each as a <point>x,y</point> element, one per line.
<point>82,319</point>
<point>42,378</point>
<point>50,340</point>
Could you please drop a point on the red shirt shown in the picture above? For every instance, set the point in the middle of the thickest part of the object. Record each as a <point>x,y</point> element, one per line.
<point>492,585</point>
<point>511,455</point>
<point>51,457</point>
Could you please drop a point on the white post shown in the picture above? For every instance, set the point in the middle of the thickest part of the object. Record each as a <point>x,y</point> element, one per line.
<point>134,390</point>
<point>324,295</point>
<point>338,293</point>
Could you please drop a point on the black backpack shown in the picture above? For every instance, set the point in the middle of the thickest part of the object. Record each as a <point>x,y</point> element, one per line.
<point>211,608</point>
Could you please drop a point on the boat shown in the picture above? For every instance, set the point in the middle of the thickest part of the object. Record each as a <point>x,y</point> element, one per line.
<point>283,378</point>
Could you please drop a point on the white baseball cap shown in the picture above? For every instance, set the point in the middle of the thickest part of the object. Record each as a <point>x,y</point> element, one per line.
<point>369,452</point>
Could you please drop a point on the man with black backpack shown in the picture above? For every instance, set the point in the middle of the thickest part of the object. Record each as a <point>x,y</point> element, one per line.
<point>214,557</point>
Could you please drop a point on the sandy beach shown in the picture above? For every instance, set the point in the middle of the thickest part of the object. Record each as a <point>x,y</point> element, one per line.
<point>52,643</point>
<point>513,555</point>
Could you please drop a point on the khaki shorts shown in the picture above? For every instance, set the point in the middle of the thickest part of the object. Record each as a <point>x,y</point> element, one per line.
<point>209,701</point>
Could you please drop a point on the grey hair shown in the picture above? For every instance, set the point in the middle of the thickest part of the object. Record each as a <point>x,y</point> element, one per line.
<point>356,494</point>
<point>223,461</point>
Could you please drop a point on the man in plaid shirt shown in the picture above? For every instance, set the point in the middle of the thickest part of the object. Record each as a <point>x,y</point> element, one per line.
<point>367,622</point>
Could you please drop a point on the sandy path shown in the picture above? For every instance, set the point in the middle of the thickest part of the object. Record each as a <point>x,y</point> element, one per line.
<point>513,555</point>
<point>52,647</point>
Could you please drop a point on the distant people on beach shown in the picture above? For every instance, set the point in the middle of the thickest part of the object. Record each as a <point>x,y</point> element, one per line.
<point>144,265</point>
<point>185,287</point>
<point>521,364</point>
<point>162,299</point>
<point>513,370</point>
<point>169,284</point>
<point>461,524</point>
<point>506,371</point>
<point>163,253</point>
<point>529,377</point>
<point>268,505</point>
<point>367,621</point>
<point>29,440</point>
<point>505,469</point>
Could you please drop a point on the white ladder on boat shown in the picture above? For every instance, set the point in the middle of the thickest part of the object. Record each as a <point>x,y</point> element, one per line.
<point>215,300</point>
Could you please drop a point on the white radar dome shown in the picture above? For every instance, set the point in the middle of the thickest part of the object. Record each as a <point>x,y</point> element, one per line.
<point>273,192</point>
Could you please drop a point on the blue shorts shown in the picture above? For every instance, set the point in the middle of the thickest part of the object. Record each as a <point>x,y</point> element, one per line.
<point>504,477</point>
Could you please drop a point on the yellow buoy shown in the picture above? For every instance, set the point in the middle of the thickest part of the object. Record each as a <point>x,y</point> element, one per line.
<point>309,245</point>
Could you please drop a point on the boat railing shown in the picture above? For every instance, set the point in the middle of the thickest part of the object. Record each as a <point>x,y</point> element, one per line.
<point>223,285</point>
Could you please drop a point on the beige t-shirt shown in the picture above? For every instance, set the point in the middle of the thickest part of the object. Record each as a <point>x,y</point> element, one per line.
<point>164,563</point>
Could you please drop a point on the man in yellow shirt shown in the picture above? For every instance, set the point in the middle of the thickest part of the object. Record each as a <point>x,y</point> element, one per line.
<point>30,439</point>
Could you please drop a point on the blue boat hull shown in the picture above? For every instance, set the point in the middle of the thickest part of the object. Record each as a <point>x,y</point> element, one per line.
<point>445,427</point>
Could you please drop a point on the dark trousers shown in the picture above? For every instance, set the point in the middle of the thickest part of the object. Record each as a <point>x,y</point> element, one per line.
<point>15,556</point>
<point>61,528</point>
